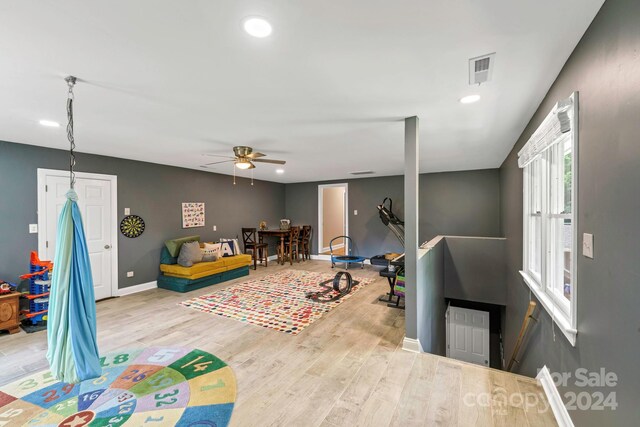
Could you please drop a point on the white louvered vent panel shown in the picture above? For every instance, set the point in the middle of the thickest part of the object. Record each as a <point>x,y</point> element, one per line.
<point>481,69</point>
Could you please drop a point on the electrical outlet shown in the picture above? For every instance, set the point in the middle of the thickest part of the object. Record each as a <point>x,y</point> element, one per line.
<point>129,273</point>
<point>33,228</point>
<point>127,211</point>
<point>215,228</point>
<point>587,245</point>
<point>355,212</point>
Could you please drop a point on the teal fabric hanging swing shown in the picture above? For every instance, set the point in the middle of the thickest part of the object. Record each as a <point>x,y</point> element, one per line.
<point>71,328</point>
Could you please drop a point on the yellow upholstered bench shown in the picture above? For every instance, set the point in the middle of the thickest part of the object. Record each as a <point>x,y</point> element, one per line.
<point>203,269</point>
<point>183,279</point>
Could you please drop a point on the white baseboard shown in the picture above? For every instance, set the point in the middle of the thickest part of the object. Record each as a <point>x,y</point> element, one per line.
<point>412,345</point>
<point>137,288</point>
<point>553,396</point>
<point>327,248</point>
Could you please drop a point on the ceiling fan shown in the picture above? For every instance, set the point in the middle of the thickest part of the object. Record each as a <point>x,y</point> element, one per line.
<point>244,158</point>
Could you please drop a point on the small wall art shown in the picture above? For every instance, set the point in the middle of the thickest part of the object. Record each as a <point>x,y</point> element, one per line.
<point>192,214</point>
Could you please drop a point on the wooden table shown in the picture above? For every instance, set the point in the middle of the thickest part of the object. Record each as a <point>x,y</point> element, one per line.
<point>9,310</point>
<point>282,234</point>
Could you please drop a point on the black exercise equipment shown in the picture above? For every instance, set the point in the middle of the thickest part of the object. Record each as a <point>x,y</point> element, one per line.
<point>396,225</point>
<point>388,218</point>
<point>389,271</point>
<point>335,288</point>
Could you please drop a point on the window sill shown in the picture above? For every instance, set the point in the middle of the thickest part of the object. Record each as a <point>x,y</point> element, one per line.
<point>561,319</point>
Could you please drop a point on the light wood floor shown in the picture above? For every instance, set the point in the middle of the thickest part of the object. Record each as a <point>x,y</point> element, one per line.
<point>346,369</point>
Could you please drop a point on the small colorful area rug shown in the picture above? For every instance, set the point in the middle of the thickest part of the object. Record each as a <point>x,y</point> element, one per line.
<point>274,301</point>
<point>157,386</point>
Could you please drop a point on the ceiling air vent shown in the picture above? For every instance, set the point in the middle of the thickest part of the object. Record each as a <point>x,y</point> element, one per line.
<point>361,173</point>
<point>481,69</point>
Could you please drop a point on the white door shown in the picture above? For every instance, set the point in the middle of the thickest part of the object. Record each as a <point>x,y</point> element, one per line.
<point>94,201</point>
<point>468,335</point>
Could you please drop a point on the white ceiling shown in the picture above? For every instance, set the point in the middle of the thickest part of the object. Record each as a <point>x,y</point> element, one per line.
<point>168,81</point>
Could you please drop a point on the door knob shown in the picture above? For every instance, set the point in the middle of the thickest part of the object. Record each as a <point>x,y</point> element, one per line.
<point>107,246</point>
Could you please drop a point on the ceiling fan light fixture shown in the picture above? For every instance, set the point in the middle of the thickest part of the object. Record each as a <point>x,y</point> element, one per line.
<point>243,164</point>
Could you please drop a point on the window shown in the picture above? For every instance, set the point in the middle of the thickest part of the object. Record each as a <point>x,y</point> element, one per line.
<point>548,161</point>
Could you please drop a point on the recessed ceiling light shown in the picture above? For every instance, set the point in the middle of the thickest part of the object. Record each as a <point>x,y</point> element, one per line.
<point>257,27</point>
<point>50,123</point>
<point>470,99</point>
<point>280,171</point>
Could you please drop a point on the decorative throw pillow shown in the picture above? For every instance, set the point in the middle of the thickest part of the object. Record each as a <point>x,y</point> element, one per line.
<point>211,252</point>
<point>190,253</point>
<point>227,249</point>
<point>236,245</point>
<point>174,245</point>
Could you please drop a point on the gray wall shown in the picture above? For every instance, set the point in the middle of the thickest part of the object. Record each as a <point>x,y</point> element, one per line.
<point>463,203</point>
<point>370,236</point>
<point>605,68</point>
<point>431,305</point>
<point>154,192</point>
<point>474,269</point>
<point>452,203</point>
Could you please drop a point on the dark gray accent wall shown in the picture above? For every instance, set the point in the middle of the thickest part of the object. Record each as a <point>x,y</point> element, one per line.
<point>431,305</point>
<point>155,192</point>
<point>370,237</point>
<point>605,69</point>
<point>474,269</point>
<point>465,203</point>
<point>453,203</point>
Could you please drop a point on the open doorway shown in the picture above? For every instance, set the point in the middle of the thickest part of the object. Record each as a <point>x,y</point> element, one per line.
<point>332,218</point>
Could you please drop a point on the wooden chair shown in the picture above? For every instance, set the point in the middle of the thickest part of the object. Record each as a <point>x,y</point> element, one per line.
<point>259,250</point>
<point>292,245</point>
<point>305,242</point>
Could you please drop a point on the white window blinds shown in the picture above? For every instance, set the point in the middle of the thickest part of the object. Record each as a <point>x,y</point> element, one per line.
<point>555,128</point>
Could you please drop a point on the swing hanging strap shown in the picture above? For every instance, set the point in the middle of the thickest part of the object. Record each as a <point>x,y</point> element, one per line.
<point>71,81</point>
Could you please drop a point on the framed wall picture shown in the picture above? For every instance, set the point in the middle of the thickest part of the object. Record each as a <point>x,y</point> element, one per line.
<point>192,214</point>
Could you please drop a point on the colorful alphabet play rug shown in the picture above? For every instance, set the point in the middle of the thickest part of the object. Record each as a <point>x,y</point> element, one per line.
<point>158,386</point>
<point>274,301</point>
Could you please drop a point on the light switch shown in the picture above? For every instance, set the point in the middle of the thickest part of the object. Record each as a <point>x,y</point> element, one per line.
<point>129,273</point>
<point>215,228</point>
<point>587,245</point>
<point>355,211</point>
<point>127,211</point>
<point>33,228</point>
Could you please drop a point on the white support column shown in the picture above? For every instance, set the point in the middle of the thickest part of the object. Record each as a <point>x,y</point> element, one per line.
<point>411,184</point>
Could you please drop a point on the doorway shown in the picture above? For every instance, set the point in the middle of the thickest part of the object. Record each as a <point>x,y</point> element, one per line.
<point>97,200</point>
<point>468,335</point>
<point>333,220</point>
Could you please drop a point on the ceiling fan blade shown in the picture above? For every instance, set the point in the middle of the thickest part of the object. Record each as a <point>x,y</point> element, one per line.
<point>252,166</point>
<point>217,155</point>
<point>215,163</point>
<point>275,162</point>
<point>256,155</point>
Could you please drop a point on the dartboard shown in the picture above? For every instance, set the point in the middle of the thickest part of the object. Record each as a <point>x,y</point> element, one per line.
<point>158,386</point>
<point>132,226</point>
